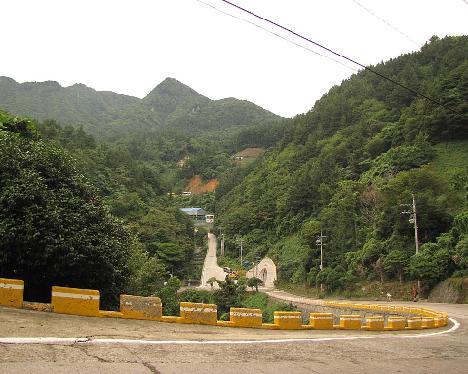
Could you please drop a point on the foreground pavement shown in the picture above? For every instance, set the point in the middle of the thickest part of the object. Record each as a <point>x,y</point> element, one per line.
<point>130,346</point>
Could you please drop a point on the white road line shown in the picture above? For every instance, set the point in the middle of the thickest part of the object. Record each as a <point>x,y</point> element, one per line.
<point>72,341</point>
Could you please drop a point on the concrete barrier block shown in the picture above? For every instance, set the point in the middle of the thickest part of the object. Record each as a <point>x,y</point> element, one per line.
<point>11,292</point>
<point>288,320</point>
<point>414,323</point>
<point>76,301</point>
<point>205,314</point>
<point>321,321</point>
<point>427,323</point>
<point>350,322</point>
<point>139,307</point>
<point>375,323</point>
<point>396,323</point>
<point>243,317</point>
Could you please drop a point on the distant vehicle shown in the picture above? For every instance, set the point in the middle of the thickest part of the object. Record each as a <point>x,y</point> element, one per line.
<point>227,270</point>
<point>186,193</point>
<point>209,218</point>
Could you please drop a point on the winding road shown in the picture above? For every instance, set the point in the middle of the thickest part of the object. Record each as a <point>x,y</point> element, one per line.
<point>40,342</point>
<point>100,345</point>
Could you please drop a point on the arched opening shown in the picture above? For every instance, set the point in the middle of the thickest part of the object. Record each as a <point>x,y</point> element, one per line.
<point>263,275</point>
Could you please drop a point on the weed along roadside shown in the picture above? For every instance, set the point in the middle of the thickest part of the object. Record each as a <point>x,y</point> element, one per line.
<point>343,315</point>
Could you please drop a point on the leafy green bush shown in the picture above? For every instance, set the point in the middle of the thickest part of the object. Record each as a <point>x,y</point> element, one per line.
<point>197,296</point>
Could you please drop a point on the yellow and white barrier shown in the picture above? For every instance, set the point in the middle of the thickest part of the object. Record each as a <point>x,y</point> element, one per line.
<point>139,307</point>
<point>321,321</point>
<point>205,314</point>
<point>396,323</point>
<point>85,302</point>
<point>350,322</point>
<point>414,323</point>
<point>288,320</point>
<point>375,323</point>
<point>76,301</point>
<point>427,323</point>
<point>11,292</point>
<point>243,317</point>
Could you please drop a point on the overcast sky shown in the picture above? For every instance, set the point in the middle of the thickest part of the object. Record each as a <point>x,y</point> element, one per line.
<point>130,46</point>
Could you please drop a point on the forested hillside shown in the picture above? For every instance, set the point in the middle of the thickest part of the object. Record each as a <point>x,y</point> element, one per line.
<point>347,165</point>
<point>80,213</point>
<point>169,106</point>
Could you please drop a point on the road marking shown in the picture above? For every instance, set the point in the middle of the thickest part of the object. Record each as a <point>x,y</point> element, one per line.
<point>72,341</point>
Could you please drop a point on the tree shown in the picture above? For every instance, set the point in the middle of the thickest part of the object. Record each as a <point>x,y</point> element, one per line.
<point>211,281</point>
<point>54,228</point>
<point>431,264</point>
<point>228,295</point>
<point>169,296</point>
<point>254,283</point>
<point>147,273</point>
<point>395,263</point>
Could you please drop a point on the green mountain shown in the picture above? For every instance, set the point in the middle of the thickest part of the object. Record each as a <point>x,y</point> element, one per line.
<point>347,165</point>
<point>171,105</point>
<point>74,105</point>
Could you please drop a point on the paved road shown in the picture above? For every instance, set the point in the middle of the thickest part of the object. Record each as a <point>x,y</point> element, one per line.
<point>210,266</point>
<point>228,350</point>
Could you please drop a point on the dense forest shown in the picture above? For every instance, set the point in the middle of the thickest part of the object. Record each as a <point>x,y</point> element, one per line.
<point>347,166</point>
<point>85,214</point>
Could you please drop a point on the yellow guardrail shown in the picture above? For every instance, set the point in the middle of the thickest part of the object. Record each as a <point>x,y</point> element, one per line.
<point>84,302</point>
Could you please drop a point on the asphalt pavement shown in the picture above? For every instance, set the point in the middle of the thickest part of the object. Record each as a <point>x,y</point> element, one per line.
<point>101,345</point>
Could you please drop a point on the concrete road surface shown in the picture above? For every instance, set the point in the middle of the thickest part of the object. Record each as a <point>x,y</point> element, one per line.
<point>128,346</point>
<point>210,266</point>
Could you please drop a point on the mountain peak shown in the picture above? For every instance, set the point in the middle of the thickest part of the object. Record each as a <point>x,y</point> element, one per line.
<point>173,88</point>
<point>9,80</point>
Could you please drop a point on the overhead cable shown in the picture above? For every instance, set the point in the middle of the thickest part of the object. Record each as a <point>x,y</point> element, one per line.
<point>415,92</point>
<point>278,35</point>
<point>386,22</point>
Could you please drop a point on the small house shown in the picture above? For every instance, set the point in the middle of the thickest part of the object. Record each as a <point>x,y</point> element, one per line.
<point>196,214</point>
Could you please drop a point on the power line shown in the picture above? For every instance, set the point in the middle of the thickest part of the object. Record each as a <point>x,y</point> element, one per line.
<point>415,92</point>
<point>278,35</point>
<point>386,22</point>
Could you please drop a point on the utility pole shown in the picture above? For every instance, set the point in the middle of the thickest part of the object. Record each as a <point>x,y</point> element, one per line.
<point>319,242</point>
<point>220,230</point>
<point>414,220</point>
<point>222,244</point>
<point>241,250</point>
